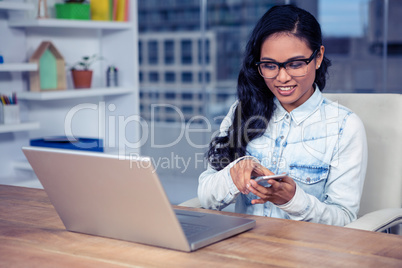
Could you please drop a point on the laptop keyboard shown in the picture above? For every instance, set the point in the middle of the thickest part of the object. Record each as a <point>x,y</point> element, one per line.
<point>193,229</point>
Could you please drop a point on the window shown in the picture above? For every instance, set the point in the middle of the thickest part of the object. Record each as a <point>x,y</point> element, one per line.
<point>187,109</point>
<point>354,41</point>
<point>207,52</point>
<point>207,77</point>
<point>154,95</point>
<point>170,110</point>
<point>222,97</point>
<point>170,77</point>
<point>353,36</point>
<point>187,77</point>
<point>169,51</point>
<point>187,96</point>
<point>186,52</point>
<point>153,52</point>
<point>140,52</point>
<point>170,95</point>
<point>153,77</point>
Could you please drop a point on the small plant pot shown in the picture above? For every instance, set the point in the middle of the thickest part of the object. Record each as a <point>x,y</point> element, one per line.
<point>82,78</point>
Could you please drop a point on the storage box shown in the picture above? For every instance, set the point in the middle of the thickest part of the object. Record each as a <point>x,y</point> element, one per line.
<point>73,143</point>
<point>74,11</point>
<point>10,114</point>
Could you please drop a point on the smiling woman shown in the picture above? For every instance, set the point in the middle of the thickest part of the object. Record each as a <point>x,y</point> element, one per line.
<point>281,123</point>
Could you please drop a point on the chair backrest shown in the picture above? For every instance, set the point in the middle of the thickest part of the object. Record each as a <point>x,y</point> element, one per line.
<point>382,117</point>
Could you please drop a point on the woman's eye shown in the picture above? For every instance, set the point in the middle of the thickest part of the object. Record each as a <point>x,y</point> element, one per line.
<point>268,66</point>
<point>296,64</point>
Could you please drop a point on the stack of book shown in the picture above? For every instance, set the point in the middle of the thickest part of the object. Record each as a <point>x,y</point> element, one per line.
<point>112,10</point>
<point>69,142</point>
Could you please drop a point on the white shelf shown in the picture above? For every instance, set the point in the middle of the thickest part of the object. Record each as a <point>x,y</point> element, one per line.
<point>19,127</point>
<point>18,67</point>
<point>46,110</point>
<point>76,93</point>
<point>8,5</point>
<point>62,23</point>
<point>22,165</point>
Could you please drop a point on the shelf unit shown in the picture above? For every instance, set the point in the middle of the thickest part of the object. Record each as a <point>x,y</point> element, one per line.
<point>8,5</point>
<point>18,67</point>
<point>60,23</point>
<point>19,127</point>
<point>99,112</point>
<point>70,94</point>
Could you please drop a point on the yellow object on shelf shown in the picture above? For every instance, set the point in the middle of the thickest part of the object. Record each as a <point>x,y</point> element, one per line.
<point>121,10</point>
<point>100,10</point>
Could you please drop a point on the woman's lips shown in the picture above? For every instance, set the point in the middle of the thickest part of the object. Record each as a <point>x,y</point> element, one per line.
<point>286,91</point>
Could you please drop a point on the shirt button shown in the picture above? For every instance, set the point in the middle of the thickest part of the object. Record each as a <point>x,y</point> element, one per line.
<point>308,179</point>
<point>274,162</point>
<point>287,116</point>
<point>282,137</point>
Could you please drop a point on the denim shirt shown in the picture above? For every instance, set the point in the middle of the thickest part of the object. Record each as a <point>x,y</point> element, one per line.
<point>320,144</point>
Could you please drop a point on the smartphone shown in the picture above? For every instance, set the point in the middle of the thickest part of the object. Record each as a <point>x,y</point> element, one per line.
<point>262,180</point>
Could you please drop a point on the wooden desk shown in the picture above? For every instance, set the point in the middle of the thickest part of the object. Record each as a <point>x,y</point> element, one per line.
<point>31,234</point>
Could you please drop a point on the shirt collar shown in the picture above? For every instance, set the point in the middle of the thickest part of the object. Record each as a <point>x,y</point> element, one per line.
<point>302,112</point>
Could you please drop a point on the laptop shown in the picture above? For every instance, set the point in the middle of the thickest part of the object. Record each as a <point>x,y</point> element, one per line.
<point>122,197</point>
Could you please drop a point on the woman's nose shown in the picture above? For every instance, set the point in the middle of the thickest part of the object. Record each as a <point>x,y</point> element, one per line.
<point>283,75</point>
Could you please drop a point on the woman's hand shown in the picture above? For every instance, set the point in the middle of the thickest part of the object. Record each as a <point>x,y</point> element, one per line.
<point>279,193</point>
<point>242,171</point>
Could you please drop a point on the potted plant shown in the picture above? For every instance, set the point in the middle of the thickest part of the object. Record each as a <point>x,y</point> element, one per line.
<point>81,73</point>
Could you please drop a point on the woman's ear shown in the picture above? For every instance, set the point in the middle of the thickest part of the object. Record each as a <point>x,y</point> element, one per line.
<point>320,57</point>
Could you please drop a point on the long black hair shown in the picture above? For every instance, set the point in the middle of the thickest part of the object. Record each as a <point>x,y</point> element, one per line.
<point>255,101</point>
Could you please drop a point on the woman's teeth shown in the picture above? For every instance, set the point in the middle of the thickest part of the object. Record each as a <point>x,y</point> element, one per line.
<point>285,88</point>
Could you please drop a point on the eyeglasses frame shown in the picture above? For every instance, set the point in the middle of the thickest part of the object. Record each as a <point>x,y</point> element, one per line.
<point>283,64</point>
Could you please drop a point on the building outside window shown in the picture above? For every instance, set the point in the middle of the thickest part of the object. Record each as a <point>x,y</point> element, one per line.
<point>169,51</point>
<point>153,52</point>
<point>153,76</point>
<point>170,77</point>
<point>170,95</point>
<point>140,52</point>
<point>186,96</point>
<point>207,76</point>
<point>186,52</point>
<point>364,59</point>
<point>187,77</point>
<point>207,52</point>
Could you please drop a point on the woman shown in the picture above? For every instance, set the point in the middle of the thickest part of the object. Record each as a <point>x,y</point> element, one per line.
<point>281,123</point>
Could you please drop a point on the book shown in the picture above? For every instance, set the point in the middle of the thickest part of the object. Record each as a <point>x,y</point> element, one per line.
<point>121,10</point>
<point>111,4</point>
<point>100,10</point>
<point>66,142</point>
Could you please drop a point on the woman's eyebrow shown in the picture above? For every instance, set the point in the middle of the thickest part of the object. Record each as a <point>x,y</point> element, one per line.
<point>293,58</point>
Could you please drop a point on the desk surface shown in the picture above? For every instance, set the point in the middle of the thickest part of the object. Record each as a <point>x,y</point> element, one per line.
<point>32,234</point>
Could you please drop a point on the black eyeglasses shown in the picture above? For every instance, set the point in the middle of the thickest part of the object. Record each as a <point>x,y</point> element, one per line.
<point>299,67</point>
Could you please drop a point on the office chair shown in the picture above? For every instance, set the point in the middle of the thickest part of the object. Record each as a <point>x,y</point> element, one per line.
<point>380,207</point>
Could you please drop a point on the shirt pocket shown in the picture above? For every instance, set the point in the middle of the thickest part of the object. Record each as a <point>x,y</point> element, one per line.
<point>309,174</point>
